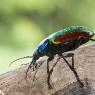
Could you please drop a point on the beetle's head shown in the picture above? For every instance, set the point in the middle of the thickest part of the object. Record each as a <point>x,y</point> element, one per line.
<point>36,56</point>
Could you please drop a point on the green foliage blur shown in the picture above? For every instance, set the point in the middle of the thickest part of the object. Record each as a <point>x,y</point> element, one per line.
<point>24,23</point>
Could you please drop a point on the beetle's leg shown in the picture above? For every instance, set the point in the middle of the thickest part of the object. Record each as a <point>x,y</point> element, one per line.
<point>54,65</point>
<point>73,60</point>
<point>34,66</point>
<point>30,65</point>
<point>48,72</point>
<point>70,55</point>
<point>36,71</point>
<point>74,71</point>
<point>27,71</point>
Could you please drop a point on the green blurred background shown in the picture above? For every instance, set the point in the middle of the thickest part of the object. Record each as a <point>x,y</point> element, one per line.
<point>24,23</point>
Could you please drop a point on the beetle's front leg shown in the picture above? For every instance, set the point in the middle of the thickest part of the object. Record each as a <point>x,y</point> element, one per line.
<point>36,71</point>
<point>35,66</point>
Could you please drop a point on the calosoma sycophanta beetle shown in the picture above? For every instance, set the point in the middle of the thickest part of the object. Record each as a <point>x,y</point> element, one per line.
<point>59,43</point>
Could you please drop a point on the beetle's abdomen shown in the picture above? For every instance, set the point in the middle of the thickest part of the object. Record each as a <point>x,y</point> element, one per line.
<point>70,37</point>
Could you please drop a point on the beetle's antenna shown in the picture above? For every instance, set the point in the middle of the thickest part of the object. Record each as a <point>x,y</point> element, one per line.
<point>19,59</point>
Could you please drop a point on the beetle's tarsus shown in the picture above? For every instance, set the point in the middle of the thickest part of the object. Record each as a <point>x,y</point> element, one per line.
<point>35,75</point>
<point>81,85</point>
<point>50,87</point>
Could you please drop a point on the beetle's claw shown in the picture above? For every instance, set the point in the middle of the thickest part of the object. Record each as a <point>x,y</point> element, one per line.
<point>49,87</point>
<point>81,85</point>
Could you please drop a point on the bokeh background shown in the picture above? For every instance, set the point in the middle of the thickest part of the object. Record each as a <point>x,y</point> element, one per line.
<point>24,23</point>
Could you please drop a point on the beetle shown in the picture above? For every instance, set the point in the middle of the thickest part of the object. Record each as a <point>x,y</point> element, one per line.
<point>59,43</point>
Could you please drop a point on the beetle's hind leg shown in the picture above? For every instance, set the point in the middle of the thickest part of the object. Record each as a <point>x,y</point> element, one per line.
<point>73,69</point>
<point>72,56</point>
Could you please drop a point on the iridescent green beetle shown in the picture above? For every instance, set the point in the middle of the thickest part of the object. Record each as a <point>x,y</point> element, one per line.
<point>59,43</point>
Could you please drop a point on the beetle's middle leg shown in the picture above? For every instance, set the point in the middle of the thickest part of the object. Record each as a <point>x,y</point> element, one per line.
<point>49,72</point>
<point>54,65</point>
